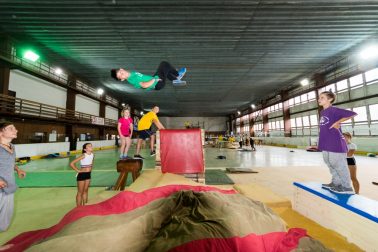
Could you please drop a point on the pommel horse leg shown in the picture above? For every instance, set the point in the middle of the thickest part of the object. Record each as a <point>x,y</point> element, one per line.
<point>124,167</point>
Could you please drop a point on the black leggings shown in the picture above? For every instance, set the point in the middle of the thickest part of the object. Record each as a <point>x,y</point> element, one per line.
<point>165,71</point>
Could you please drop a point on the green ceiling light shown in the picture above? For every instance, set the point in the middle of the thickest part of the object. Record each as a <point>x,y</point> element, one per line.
<point>29,55</point>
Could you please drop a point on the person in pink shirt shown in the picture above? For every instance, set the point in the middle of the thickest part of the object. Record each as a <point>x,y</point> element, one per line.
<point>125,131</point>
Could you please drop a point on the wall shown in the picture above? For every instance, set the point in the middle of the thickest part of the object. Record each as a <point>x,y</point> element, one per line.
<point>96,144</point>
<point>27,129</point>
<point>32,88</point>
<point>368,144</point>
<point>111,112</point>
<point>77,130</point>
<point>37,149</point>
<point>210,123</point>
<point>86,105</point>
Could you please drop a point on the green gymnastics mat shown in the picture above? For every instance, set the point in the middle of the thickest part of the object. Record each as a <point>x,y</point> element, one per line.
<point>68,179</point>
<point>217,177</point>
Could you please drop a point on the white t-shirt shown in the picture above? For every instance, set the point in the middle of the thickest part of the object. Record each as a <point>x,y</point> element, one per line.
<point>352,146</point>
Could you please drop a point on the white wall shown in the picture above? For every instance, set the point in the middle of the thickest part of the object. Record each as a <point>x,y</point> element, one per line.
<point>87,105</point>
<point>210,123</point>
<point>95,144</point>
<point>111,112</point>
<point>32,88</point>
<point>369,144</point>
<point>36,149</point>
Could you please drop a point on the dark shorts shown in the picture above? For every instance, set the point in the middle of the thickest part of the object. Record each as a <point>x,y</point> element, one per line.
<point>144,134</point>
<point>81,176</point>
<point>351,161</point>
<point>160,85</point>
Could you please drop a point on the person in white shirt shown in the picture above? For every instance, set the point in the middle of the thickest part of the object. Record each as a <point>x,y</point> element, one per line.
<point>352,161</point>
<point>83,176</point>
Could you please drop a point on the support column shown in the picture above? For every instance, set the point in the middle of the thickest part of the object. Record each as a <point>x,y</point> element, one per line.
<point>251,128</point>
<point>102,114</point>
<point>265,119</point>
<point>286,113</point>
<point>7,104</point>
<point>4,80</point>
<point>70,112</point>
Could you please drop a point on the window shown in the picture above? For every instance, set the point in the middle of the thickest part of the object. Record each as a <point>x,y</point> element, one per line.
<point>356,80</point>
<point>311,96</point>
<point>373,112</point>
<point>342,85</point>
<point>297,100</point>
<point>313,120</point>
<point>272,125</point>
<point>281,124</point>
<point>306,121</point>
<point>331,87</point>
<point>298,121</point>
<point>361,114</point>
<point>291,102</point>
<point>292,121</point>
<point>304,98</point>
<point>327,88</point>
<point>257,127</point>
<point>371,75</point>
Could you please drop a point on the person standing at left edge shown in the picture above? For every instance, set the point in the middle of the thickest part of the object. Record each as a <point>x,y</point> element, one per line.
<point>8,166</point>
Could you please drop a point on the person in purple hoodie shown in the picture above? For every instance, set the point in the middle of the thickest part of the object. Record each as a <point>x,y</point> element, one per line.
<point>332,143</point>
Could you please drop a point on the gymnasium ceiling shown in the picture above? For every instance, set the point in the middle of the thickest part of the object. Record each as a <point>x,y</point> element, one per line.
<point>236,51</point>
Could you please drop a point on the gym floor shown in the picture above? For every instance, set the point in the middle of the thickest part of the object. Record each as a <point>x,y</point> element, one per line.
<point>277,169</point>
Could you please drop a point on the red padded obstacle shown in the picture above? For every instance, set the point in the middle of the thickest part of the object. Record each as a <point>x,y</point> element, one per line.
<point>181,151</point>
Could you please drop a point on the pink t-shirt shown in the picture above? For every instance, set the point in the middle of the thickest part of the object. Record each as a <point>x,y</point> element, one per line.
<point>125,125</point>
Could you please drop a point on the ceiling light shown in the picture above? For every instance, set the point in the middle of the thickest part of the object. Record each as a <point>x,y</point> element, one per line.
<point>305,82</point>
<point>123,104</point>
<point>100,91</point>
<point>253,106</point>
<point>369,52</point>
<point>58,71</point>
<point>29,55</point>
<point>239,112</point>
<point>141,113</point>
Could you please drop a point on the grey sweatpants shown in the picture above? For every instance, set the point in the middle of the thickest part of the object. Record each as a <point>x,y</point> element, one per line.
<point>338,167</point>
<point>6,210</point>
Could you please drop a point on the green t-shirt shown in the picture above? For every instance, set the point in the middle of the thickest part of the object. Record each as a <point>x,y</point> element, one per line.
<point>136,78</point>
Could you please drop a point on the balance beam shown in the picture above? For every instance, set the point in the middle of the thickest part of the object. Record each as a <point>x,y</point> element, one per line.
<point>353,216</point>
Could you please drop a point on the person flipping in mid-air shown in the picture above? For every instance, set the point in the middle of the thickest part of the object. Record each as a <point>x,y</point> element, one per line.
<point>156,82</point>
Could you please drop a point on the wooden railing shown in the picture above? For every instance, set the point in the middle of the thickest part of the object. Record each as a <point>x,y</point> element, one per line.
<point>11,105</point>
<point>8,53</point>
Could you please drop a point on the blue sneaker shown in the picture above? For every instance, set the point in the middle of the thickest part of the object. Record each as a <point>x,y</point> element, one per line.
<point>179,83</point>
<point>181,73</point>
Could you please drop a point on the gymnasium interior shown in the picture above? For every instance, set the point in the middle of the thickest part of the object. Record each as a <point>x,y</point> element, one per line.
<point>237,165</point>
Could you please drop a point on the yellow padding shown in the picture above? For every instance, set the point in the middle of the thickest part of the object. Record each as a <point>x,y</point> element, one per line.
<point>148,179</point>
<point>282,207</point>
<point>329,238</point>
<point>36,157</point>
<point>259,193</point>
